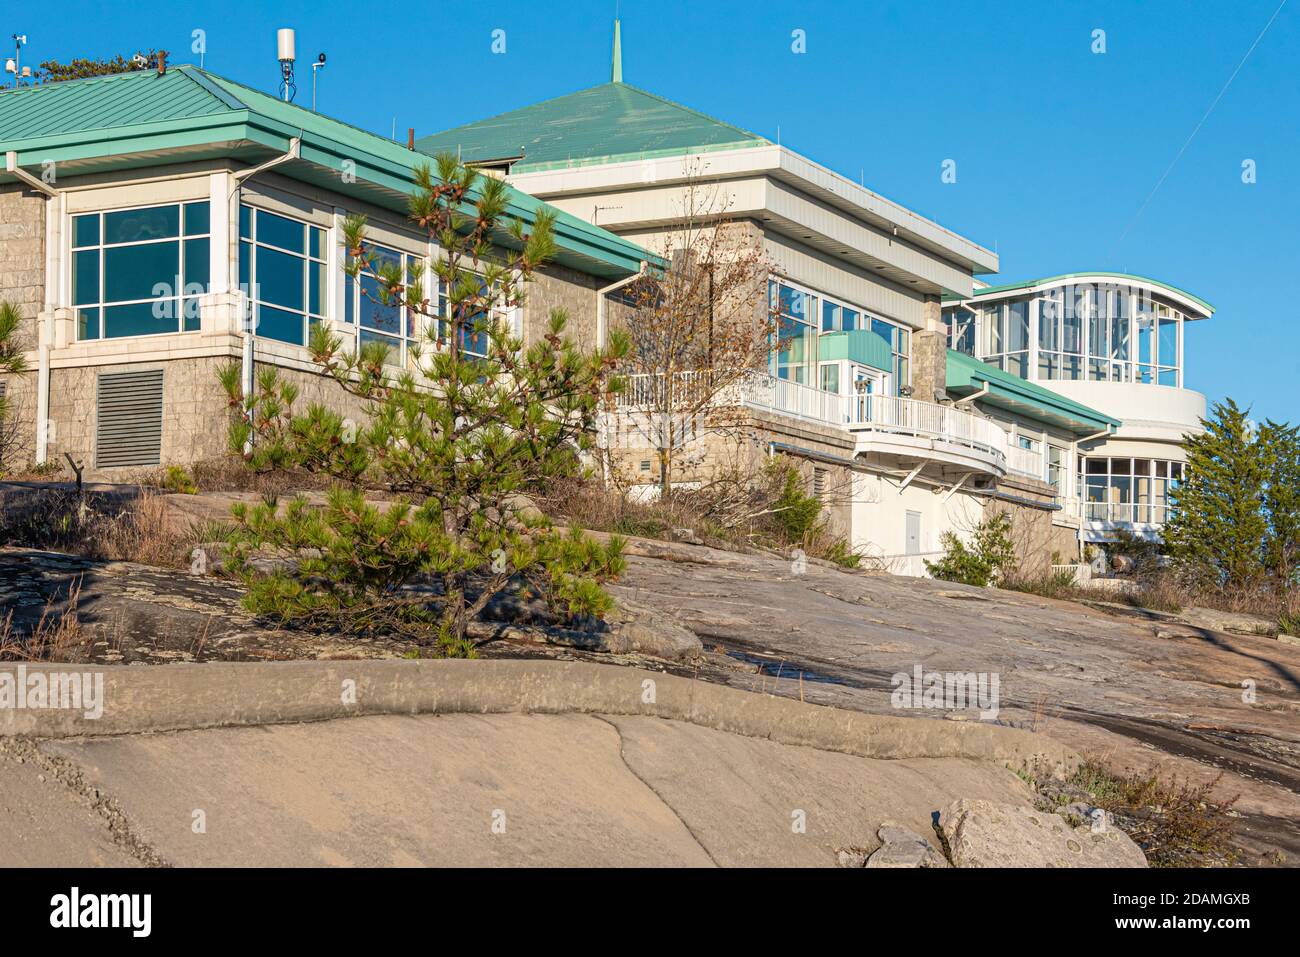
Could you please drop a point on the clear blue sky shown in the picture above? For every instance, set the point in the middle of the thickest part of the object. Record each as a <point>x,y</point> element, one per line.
<point>1056,147</point>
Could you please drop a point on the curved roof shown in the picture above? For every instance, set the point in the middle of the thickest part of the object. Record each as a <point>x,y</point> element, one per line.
<point>1196,302</point>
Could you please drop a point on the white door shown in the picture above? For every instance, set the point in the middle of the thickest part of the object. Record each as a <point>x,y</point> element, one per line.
<point>912,534</point>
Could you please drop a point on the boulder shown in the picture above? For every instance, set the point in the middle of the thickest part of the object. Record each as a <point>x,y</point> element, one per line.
<point>985,834</point>
<point>900,847</point>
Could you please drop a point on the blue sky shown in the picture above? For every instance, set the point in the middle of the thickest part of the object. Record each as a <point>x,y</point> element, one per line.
<point>1056,146</point>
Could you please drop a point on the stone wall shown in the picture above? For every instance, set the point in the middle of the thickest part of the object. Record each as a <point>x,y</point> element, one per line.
<point>558,287</point>
<point>22,283</point>
<point>22,255</point>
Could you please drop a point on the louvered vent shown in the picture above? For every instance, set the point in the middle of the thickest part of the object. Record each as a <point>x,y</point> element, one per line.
<point>819,481</point>
<point>128,417</point>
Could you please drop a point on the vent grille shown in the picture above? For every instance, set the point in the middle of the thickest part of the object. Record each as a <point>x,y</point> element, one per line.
<point>128,418</point>
<point>819,481</point>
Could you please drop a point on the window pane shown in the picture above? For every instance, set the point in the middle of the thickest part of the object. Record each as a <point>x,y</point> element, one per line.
<point>849,320</point>
<point>198,265</point>
<point>279,279</point>
<point>85,230</point>
<point>1168,343</point>
<point>349,288</point>
<point>316,239</point>
<point>132,272</point>
<point>278,231</point>
<point>315,283</point>
<point>831,378</point>
<point>374,314</point>
<point>141,319</point>
<point>85,277</point>
<point>197,216</point>
<point>275,323</point>
<point>245,223</point>
<point>1017,326</point>
<point>392,344</point>
<point>137,225</point>
<point>190,315</point>
<point>87,323</point>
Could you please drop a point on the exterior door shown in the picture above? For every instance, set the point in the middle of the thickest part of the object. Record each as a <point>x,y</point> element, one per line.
<point>912,542</point>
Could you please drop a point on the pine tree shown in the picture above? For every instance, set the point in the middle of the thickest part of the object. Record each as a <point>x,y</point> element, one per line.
<point>1217,531</point>
<point>461,440</point>
<point>1281,445</point>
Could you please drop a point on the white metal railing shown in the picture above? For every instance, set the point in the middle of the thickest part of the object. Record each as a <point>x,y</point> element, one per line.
<point>888,413</point>
<point>859,413</point>
<point>1025,461</point>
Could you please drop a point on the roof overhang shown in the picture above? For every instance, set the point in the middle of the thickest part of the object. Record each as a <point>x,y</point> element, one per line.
<point>1005,390</point>
<point>246,135</point>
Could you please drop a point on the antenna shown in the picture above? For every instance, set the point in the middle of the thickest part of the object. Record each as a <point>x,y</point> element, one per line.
<point>15,66</point>
<point>285,54</point>
<point>318,65</point>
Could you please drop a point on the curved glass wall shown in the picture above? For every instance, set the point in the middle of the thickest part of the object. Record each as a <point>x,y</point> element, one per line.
<point>1094,332</point>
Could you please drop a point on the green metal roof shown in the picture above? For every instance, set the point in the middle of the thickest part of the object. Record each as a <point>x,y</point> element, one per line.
<point>607,123</point>
<point>967,375</point>
<point>861,345</point>
<point>1049,280</point>
<point>140,119</point>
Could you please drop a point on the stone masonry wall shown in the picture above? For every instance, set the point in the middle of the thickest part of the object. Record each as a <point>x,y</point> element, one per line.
<point>22,283</point>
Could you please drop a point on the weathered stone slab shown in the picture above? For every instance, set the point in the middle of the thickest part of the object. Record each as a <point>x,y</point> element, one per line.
<point>984,834</point>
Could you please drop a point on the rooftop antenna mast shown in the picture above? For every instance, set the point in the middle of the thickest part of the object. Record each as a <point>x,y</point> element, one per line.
<point>318,65</point>
<point>15,66</point>
<point>285,53</point>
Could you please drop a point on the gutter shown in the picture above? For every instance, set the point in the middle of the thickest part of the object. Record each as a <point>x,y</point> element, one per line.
<point>52,245</point>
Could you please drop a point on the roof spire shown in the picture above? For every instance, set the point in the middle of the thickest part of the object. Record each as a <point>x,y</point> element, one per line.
<point>616,70</point>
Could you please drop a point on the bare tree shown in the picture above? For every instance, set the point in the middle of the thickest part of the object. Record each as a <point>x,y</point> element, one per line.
<point>698,328</point>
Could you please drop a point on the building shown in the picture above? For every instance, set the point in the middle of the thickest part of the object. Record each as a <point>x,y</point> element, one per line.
<point>864,389</point>
<point>158,225</point>
<point>1112,341</point>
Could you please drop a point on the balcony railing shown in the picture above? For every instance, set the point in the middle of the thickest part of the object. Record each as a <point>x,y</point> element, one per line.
<point>859,413</point>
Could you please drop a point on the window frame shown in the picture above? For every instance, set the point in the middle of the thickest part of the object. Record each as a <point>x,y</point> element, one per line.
<point>250,289</point>
<point>180,299</point>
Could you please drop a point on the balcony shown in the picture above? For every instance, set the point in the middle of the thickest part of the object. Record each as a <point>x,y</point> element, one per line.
<point>884,426</point>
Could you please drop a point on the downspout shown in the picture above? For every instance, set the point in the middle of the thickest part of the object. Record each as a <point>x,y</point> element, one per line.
<point>53,249</point>
<point>600,300</point>
<point>600,337</point>
<point>973,397</point>
<point>246,352</point>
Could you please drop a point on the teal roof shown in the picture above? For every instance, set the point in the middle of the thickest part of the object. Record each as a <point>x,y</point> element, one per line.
<point>967,375</point>
<point>607,123</point>
<point>142,119</point>
<point>1129,277</point>
<point>861,345</point>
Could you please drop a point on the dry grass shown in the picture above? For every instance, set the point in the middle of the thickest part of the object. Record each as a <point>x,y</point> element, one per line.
<point>56,636</point>
<point>728,514</point>
<point>1175,823</point>
<point>132,526</point>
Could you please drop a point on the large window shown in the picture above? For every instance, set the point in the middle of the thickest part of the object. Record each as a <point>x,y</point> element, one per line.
<point>961,330</point>
<point>799,317</point>
<point>139,272</point>
<point>1128,490</point>
<point>282,271</point>
<point>396,326</point>
<point>1100,333</point>
<point>796,354</point>
<point>1006,337</point>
